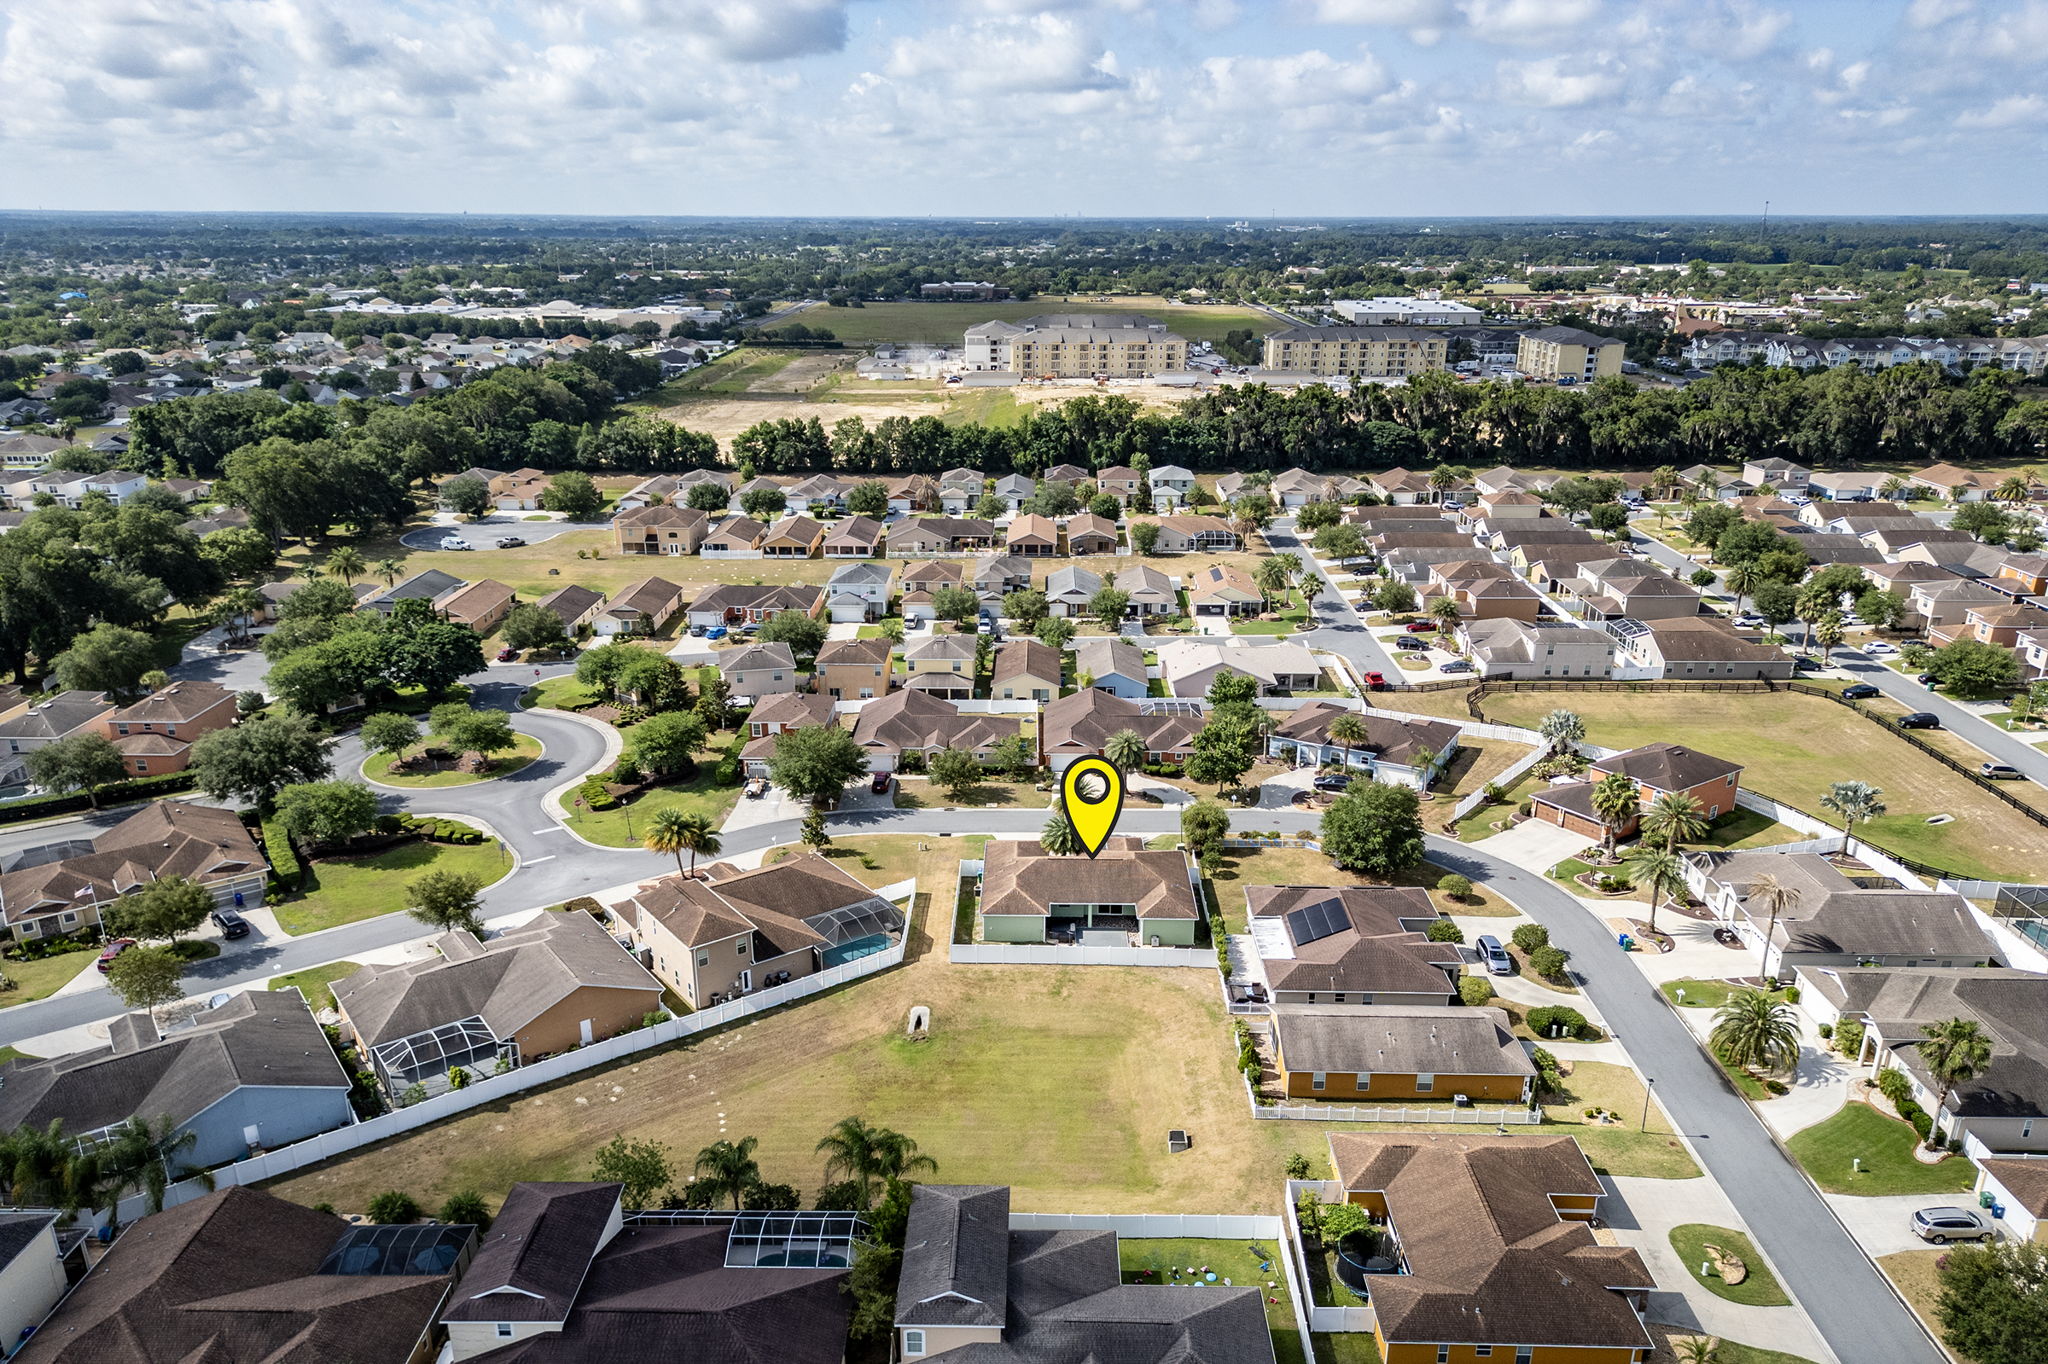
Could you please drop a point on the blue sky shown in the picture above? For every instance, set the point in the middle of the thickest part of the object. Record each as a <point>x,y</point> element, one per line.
<point>1009,107</point>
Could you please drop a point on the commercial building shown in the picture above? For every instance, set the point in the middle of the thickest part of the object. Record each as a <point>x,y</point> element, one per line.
<point>1410,312</point>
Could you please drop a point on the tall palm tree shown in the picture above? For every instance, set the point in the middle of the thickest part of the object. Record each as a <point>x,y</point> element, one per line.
<point>867,1155</point>
<point>1058,837</point>
<point>145,1158</point>
<point>665,834</point>
<point>1768,893</point>
<point>728,1168</point>
<point>1350,731</point>
<point>2013,488</point>
<point>1752,1029</point>
<point>1442,479</point>
<point>240,606</point>
<point>1444,611</point>
<point>390,570</point>
<point>1893,485</point>
<point>1855,802</point>
<point>1616,801</point>
<point>35,1167</point>
<point>1827,633</point>
<point>1272,576</point>
<point>1955,1051</point>
<point>1676,817</point>
<point>345,563</point>
<point>1742,580</point>
<point>1125,750</point>
<point>1657,873</point>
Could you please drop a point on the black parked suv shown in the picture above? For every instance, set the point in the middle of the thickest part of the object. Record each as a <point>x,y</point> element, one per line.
<point>1920,719</point>
<point>1862,691</point>
<point>230,924</point>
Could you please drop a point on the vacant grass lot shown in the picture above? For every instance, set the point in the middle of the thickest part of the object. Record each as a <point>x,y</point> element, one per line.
<point>1757,1289</point>
<point>938,323</point>
<point>1884,1145</point>
<point>378,767</point>
<point>623,826</point>
<point>1794,747</point>
<point>341,890</point>
<point>42,978</point>
<point>1060,1081</point>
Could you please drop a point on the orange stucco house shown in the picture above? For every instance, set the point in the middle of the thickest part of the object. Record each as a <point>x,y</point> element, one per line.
<point>1657,770</point>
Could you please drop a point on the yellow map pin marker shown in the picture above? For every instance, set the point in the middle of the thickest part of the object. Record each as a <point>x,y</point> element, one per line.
<point>1094,794</point>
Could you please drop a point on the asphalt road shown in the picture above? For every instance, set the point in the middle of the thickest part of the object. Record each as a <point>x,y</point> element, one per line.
<point>1965,723</point>
<point>483,535</point>
<point>1339,629</point>
<point>1848,1299</point>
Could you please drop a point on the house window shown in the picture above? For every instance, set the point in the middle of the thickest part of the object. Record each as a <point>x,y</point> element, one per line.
<point>1318,1081</point>
<point>1425,1084</point>
<point>703,958</point>
<point>1443,1354</point>
<point>1525,1354</point>
<point>1482,1352</point>
<point>504,1330</point>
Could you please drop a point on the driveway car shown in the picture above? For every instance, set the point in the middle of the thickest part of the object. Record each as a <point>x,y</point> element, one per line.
<point>1806,663</point>
<point>1458,665</point>
<point>454,542</point>
<point>1942,1225</point>
<point>510,542</point>
<point>113,950</point>
<point>1880,647</point>
<point>1862,691</point>
<point>1416,627</point>
<point>1334,781</point>
<point>1376,681</point>
<point>1927,679</point>
<point>1493,956</point>
<point>1410,642</point>
<point>880,784</point>
<point>230,924</point>
<point>508,655</point>
<point>1920,719</point>
<point>1999,772</point>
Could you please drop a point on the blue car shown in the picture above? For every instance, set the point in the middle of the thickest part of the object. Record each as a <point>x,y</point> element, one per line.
<point>715,632</point>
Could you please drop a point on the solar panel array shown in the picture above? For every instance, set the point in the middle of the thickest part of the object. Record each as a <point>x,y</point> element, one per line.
<point>1318,920</point>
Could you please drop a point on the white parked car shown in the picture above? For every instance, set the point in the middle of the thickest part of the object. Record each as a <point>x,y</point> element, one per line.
<point>454,542</point>
<point>1880,647</point>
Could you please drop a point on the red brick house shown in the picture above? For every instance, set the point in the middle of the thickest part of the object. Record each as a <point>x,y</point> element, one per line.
<point>1657,770</point>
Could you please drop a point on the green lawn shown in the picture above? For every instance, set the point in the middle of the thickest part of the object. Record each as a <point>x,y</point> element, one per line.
<point>1152,1261</point>
<point>316,982</point>
<point>1478,824</point>
<point>1758,1289</point>
<point>944,322</point>
<point>1793,747</point>
<point>1620,1148</point>
<point>1885,1147</point>
<point>14,1054</point>
<point>1285,623</point>
<point>40,979</point>
<point>343,890</point>
<point>623,826</point>
<point>377,767</point>
<point>1353,1347</point>
<point>1706,994</point>
<point>558,692</point>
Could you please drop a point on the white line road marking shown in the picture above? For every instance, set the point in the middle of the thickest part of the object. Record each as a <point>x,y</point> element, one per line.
<point>536,861</point>
<point>553,829</point>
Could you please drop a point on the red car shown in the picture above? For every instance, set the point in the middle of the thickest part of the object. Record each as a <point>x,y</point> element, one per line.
<point>1416,627</point>
<point>113,950</point>
<point>508,655</point>
<point>1376,681</point>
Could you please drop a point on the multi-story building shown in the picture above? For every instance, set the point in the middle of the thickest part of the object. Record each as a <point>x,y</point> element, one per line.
<point>1076,345</point>
<point>1409,312</point>
<point>1368,352</point>
<point>1567,353</point>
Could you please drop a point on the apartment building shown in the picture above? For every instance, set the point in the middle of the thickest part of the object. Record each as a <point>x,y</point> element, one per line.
<point>1567,353</point>
<point>1076,345</point>
<point>1368,352</point>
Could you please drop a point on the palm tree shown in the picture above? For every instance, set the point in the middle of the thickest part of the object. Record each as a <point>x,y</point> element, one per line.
<point>1698,1350</point>
<point>240,607</point>
<point>1442,479</point>
<point>1657,872</point>
<point>1058,836</point>
<point>1664,478</point>
<point>694,835</point>
<point>1752,1029</point>
<point>1350,731</point>
<point>1708,483</point>
<point>345,563</point>
<point>35,1167</point>
<point>1955,1051</point>
<point>2014,488</point>
<point>390,570</point>
<point>1563,729</point>
<point>1742,580</point>
<point>1827,633</point>
<point>1273,576</point>
<point>1893,486</point>
<point>1676,817</point>
<point>1855,802</point>
<point>1125,750</point>
<point>1616,801</point>
<point>1444,611</point>
<point>144,1158</point>
<point>729,1168</point>
<point>665,834</point>
<point>1769,893</point>
<point>864,1155</point>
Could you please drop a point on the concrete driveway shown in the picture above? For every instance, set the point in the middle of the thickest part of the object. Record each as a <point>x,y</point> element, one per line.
<point>1884,1226</point>
<point>1536,845</point>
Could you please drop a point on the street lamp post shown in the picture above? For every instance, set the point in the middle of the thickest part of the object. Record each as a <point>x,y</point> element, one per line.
<point>1648,1085</point>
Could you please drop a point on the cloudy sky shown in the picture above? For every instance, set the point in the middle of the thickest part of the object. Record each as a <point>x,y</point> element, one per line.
<point>1027,107</point>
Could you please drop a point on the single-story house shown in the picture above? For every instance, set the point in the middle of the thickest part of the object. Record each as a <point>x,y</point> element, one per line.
<point>734,535</point>
<point>793,537</point>
<point>1695,647</point>
<point>1391,1051</point>
<point>1407,752</point>
<point>1224,590</point>
<point>1069,590</point>
<point>732,603</point>
<point>1088,533</point>
<point>856,537</point>
<point>1126,895</point>
<point>556,982</point>
<point>1151,592</point>
<point>1188,666</point>
<point>998,575</point>
<point>480,605</point>
<point>1033,535</point>
<point>1351,945</point>
<point>1506,648</point>
<point>1111,663</point>
<point>930,535</point>
<point>913,721</point>
<point>1192,533</point>
<point>1082,724</point>
<point>576,606</point>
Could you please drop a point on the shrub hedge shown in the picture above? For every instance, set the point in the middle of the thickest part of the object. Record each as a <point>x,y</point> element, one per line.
<point>113,793</point>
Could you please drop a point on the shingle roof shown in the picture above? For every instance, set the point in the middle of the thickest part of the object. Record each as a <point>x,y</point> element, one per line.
<point>2010,1006</point>
<point>1026,658</point>
<point>231,1278</point>
<point>1669,767</point>
<point>165,838</point>
<point>1021,877</point>
<point>956,1257</point>
<point>1397,1040</point>
<point>866,652</point>
<point>1490,1261</point>
<point>568,604</point>
<point>917,720</point>
<point>1382,951</point>
<point>178,703</point>
<point>531,1262</point>
<point>1413,740</point>
<point>1086,720</point>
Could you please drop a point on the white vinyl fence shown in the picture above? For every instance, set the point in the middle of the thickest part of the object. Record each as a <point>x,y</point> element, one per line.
<point>488,1089</point>
<point>1513,773</point>
<point>1503,1116</point>
<point>1320,1318</point>
<point>1055,954</point>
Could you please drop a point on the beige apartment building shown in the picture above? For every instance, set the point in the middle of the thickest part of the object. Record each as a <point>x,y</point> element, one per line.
<point>1369,352</point>
<point>1567,353</point>
<point>1077,345</point>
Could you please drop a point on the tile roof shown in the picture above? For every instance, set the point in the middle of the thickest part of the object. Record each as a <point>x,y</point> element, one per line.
<point>1489,1259</point>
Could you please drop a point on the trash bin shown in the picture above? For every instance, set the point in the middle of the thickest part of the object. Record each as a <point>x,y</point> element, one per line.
<point>1984,1198</point>
<point>1628,944</point>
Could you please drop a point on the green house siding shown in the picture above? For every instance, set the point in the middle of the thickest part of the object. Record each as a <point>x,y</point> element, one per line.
<point>1013,927</point>
<point>1170,932</point>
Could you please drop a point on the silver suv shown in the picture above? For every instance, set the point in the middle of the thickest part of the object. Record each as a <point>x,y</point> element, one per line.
<point>1942,1225</point>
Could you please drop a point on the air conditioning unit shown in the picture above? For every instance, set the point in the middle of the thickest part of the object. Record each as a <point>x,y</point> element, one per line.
<point>1155,940</point>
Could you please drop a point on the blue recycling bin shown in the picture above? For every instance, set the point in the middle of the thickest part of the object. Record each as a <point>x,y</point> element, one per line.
<point>1627,943</point>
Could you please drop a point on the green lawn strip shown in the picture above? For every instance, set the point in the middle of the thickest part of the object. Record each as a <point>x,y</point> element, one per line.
<point>1622,1148</point>
<point>561,693</point>
<point>1758,1288</point>
<point>623,826</point>
<point>1734,1352</point>
<point>1830,1150</point>
<point>1706,994</point>
<point>316,982</point>
<point>15,1054</point>
<point>43,977</point>
<point>1153,1260</point>
<point>1288,623</point>
<point>377,767</point>
<point>194,949</point>
<point>344,890</point>
<point>1351,1347</point>
<point>1479,824</point>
